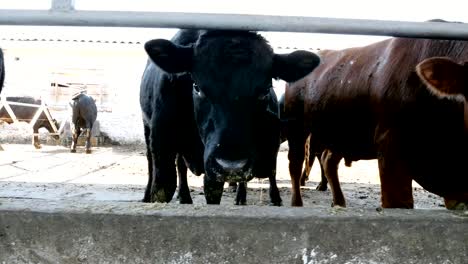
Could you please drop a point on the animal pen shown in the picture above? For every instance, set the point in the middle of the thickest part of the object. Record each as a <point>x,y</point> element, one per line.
<point>109,232</point>
<point>42,108</point>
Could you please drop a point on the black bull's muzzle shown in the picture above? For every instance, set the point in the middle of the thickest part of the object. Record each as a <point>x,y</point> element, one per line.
<point>242,161</point>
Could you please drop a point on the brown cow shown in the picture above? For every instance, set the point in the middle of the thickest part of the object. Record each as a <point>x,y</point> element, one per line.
<point>368,102</point>
<point>447,79</point>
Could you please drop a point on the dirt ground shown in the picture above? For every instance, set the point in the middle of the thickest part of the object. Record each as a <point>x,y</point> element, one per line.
<point>119,173</point>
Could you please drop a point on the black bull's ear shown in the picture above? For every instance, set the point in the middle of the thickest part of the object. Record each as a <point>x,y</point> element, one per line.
<point>168,56</point>
<point>293,66</point>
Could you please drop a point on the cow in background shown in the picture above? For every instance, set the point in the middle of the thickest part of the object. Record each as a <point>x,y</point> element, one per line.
<point>208,96</point>
<point>368,102</point>
<point>27,113</point>
<point>84,114</point>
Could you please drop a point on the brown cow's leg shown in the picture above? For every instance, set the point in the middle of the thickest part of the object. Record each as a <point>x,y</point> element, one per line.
<point>184,191</point>
<point>395,184</point>
<point>308,162</point>
<point>1,148</point>
<point>323,184</point>
<point>312,151</point>
<point>296,141</point>
<point>35,140</point>
<point>88,140</point>
<point>395,180</point>
<point>330,163</point>
<point>36,143</point>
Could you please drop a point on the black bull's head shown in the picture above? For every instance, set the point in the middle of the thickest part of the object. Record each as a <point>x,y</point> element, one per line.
<point>235,107</point>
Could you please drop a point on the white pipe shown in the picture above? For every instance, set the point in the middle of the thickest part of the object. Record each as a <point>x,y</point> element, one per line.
<point>72,17</point>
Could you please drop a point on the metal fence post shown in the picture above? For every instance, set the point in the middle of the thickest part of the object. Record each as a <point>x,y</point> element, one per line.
<point>63,5</point>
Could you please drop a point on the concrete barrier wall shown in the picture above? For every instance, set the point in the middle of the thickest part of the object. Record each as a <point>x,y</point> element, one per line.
<point>38,231</point>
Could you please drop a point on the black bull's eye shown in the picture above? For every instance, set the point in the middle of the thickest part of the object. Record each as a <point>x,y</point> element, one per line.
<point>197,90</point>
<point>195,87</point>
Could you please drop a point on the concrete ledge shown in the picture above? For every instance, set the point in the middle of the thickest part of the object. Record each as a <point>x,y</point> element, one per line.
<point>42,231</point>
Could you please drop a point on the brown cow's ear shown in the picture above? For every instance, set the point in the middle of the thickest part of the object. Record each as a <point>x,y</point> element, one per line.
<point>168,56</point>
<point>443,76</point>
<point>294,66</point>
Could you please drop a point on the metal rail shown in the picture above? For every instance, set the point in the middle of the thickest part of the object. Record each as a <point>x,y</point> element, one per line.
<point>62,13</point>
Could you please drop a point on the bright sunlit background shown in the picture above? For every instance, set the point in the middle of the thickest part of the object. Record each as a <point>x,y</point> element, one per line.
<point>110,61</point>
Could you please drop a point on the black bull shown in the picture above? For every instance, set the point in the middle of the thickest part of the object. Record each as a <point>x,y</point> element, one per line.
<point>2,70</point>
<point>210,100</point>
<point>84,114</point>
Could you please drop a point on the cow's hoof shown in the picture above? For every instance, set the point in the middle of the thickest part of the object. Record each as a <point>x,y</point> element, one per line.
<point>275,199</point>
<point>162,195</point>
<point>297,203</point>
<point>276,203</point>
<point>240,202</point>
<point>184,198</point>
<point>88,151</point>
<point>72,150</point>
<point>211,201</point>
<point>338,204</point>
<point>321,187</point>
<point>212,198</point>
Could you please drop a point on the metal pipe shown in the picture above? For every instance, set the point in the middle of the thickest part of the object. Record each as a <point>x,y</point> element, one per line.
<point>234,21</point>
<point>64,5</point>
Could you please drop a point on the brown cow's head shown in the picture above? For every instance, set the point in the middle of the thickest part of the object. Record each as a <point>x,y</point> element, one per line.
<point>444,77</point>
<point>448,79</point>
